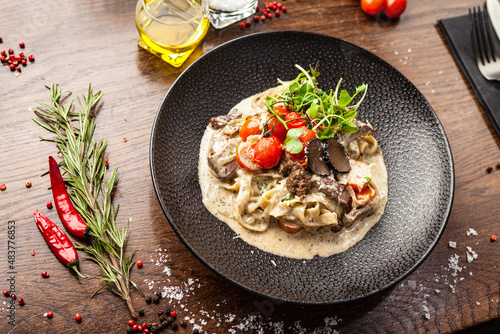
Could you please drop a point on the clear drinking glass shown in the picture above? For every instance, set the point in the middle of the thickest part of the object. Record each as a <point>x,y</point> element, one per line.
<point>171,29</point>
<point>225,12</point>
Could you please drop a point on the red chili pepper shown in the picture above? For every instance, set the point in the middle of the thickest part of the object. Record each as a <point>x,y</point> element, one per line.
<point>50,314</point>
<point>78,317</point>
<point>58,242</point>
<point>67,212</point>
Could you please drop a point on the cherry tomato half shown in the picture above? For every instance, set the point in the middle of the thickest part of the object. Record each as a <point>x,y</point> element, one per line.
<point>280,110</point>
<point>276,128</point>
<point>297,123</point>
<point>372,7</point>
<point>250,127</point>
<point>365,194</point>
<point>243,157</point>
<point>394,8</point>
<point>267,152</point>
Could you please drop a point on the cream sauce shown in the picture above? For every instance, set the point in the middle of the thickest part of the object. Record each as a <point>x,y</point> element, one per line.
<point>303,245</point>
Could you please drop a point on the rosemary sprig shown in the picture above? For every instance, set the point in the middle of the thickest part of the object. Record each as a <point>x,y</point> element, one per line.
<point>91,192</point>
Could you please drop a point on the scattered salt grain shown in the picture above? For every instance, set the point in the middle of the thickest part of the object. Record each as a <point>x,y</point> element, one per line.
<point>471,231</point>
<point>453,265</point>
<point>412,284</point>
<point>478,303</point>
<point>471,255</point>
<point>426,312</point>
<point>437,291</point>
<point>452,244</point>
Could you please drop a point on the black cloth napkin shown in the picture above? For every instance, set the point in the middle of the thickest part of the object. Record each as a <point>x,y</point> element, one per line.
<point>457,34</point>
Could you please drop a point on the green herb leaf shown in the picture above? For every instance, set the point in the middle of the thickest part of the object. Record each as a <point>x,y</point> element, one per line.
<point>292,142</point>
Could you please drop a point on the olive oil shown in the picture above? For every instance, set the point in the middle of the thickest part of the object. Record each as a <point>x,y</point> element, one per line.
<point>171,29</point>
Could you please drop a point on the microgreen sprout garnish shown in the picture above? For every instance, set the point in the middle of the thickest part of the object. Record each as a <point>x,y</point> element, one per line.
<point>367,178</point>
<point>326,113</point>
<point>292,142</point>
<point>287,198</point>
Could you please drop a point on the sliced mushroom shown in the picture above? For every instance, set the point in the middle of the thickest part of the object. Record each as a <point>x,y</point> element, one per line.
<point>335,153</point>
<point>316,157</point>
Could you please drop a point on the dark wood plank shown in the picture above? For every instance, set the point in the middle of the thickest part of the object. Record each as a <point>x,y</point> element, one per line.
<point>78,42</point>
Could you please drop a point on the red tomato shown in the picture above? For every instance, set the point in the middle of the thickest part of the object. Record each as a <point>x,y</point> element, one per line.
<point>276,128</point>
<point>280,110</point>
<point>305,137</point>
<point>297,123</point>
<point>243,157</point>
<point>267,152</point>
<point>250,127</point>
<point>394,8</point>
<point>365,194</point>
<point>372,7</point>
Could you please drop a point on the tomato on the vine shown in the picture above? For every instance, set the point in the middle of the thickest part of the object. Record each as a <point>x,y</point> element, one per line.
<point>266,152</point>
<point>372,7</point>
<point>250,127</point>
<point>295,120</point>
<point>394,8</point>
<point>276,128</point>
<point>243,154</point>
<point>280,110</point>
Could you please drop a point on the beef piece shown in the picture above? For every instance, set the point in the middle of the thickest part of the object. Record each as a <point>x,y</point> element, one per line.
<point>354,214</point>
<point>222,157</point>
<point>299,181</point>
<point>287,164</point>
<point>331,188</point>
<point>220,121</point>
<point>364,129</point>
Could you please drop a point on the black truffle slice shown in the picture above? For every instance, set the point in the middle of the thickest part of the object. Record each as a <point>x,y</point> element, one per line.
<point>316,157</point>
<point>335,154</point>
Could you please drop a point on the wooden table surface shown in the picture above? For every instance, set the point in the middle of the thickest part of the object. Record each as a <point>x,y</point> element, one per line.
<point>80,42</point>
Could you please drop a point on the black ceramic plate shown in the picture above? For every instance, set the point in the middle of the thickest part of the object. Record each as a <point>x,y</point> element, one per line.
<point>415,147</point>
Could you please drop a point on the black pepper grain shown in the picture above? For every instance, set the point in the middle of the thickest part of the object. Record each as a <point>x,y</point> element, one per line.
<point>183,323</point>
<point>160,313</point>
<point>165,324</point>
<point>498,165</point>
<point>141,313</point>
<point>158,294</point>
<point>489,169</point>
<point>170,320</point>
<point>148,300</point>
<point>175,327</point>
<point>156,299</point>
<point>163,318</point>
<point>196,331</point>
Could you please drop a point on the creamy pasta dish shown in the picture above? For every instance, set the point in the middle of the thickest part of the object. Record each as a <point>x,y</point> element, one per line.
<point>292,171</point>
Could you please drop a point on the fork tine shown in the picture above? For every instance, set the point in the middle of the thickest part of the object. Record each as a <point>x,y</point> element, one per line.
<point>488,34</point>
<point>480,36</point>
<point>473,33</point>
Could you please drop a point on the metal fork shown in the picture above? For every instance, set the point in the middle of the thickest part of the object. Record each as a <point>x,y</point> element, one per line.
<point>487,59</point>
